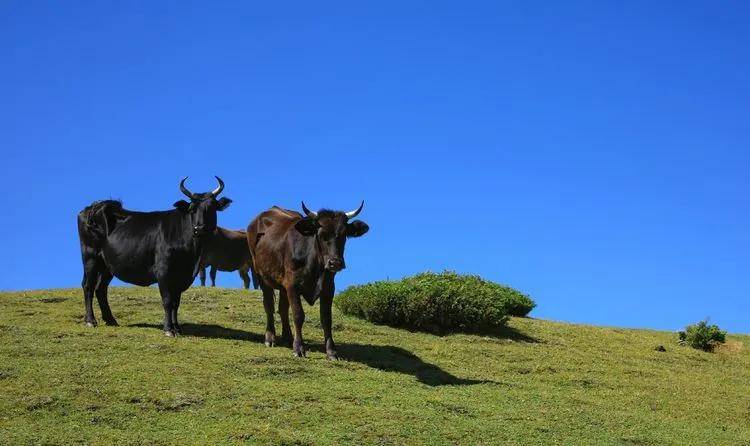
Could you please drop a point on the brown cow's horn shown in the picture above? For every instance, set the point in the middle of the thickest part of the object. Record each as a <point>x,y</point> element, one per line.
<point>352,214</point>
<point>308,212</point>
<point>218,190</point>
<point>184,189</point>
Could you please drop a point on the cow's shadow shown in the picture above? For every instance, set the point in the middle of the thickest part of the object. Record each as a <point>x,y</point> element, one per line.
<point>210,331</point>
<point>382,357</point>
<point>390,358</point>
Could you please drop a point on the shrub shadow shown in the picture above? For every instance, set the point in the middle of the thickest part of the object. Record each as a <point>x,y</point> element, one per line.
<point>210,331</point>
<point>513,335</point>
<point>395,359</point>
<point>498,333</point>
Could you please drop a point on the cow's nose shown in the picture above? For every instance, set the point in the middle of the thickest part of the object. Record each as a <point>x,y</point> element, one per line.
<point>335,264</point>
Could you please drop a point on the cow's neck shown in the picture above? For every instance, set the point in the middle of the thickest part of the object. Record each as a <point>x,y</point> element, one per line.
<point>324,284</point>
<point>318,279</point>
<point>192,245</point>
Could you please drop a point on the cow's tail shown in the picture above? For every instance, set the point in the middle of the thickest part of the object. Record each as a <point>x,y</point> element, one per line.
<point>254,276</point>
<point>97,221</point>
<point>251,248</point>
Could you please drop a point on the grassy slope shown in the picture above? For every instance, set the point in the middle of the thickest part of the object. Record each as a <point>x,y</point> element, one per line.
<point>547,382</point>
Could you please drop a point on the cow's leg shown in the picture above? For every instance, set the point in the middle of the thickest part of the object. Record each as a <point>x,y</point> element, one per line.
<point>286,331</point>
<point>167,300</point>
<point>176,298</point>
<point>245,278</point>
<point>299,319</point>
<point>202,273</point>
<point>105,277</point>
<point>326,302</point>
<point>268,306</point>
<point>90,277</point>
<point>213,276</point>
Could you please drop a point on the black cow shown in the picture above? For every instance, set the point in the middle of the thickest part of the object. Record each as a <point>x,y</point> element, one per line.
<point>300,256</point>
<point>144,248</point>
<point>226,250</point>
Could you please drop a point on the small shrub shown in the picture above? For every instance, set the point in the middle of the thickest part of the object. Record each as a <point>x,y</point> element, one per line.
<point>702,336</point>
<point>436,303</point>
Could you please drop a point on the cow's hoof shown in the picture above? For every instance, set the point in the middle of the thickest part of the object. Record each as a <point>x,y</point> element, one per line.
<point>170,334</point>
<point>270,339</point>
<point>299,351</point>
<point>112,323</point>
<point>332,356</point>
<point>91,323</point>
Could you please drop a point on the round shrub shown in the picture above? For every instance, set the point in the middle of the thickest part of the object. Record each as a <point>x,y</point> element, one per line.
<point>702,336</point>
<point>436,303</point>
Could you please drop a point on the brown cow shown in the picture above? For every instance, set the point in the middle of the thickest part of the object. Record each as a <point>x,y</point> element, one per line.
<point>300,256</point>
<point>225,250</point>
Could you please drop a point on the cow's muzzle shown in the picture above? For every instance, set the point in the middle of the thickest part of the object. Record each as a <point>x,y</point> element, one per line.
<point>335,265</point>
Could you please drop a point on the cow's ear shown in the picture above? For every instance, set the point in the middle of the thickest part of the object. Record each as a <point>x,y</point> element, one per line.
<point>182,205</point>
<point>222,203</point>
<point>306,226</point>
<point>356,228</point>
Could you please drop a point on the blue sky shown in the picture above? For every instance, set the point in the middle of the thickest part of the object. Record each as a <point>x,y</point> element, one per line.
<point>592,155</point>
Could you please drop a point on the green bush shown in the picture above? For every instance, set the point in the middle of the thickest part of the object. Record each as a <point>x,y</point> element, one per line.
<point>436,303</point>
<point>702,336</point>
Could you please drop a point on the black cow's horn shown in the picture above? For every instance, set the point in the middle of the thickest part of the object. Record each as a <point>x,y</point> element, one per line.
<point>308,212</point>
<point>352,214</point>
<point>218,190</point>
<point>184,189</point>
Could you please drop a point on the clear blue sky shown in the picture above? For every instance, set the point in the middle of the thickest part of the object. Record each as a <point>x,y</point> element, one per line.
<point>594,156</point>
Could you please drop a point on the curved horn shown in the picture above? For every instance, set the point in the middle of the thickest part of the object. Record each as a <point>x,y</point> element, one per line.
<point>185,189</point>
<point>218,190</point>
<point>308,212</point>
<point>352,214</point>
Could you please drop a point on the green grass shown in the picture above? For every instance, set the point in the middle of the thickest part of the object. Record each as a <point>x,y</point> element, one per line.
<point>543,382</point>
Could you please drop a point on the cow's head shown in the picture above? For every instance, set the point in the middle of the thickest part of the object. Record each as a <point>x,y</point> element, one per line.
<point>331,229</point>
<point>202,208</point>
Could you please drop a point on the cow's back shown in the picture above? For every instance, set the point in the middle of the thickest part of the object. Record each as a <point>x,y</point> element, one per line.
<point>267,239</point>
<point>146,245</point>
<point>273,223</point>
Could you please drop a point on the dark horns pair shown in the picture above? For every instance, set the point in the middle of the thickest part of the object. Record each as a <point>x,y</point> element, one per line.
<point>349,215</point>
<point>214,193</point>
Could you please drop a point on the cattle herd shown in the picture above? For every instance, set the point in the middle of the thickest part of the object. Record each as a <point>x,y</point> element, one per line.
<point>298,255</point>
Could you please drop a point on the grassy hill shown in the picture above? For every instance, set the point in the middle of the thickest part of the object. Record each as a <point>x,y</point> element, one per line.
<point>543,383</point>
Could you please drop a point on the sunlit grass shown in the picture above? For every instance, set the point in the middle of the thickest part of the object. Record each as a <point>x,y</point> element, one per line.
<point>544,382</point>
